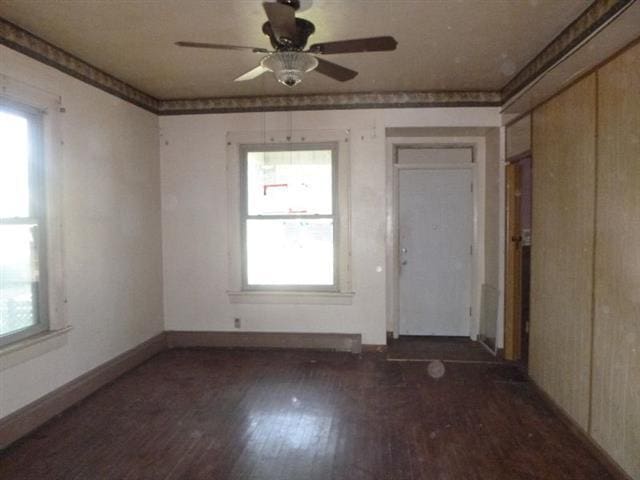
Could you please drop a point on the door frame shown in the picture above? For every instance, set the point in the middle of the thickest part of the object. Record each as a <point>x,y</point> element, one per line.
<point>477,166</point>
<point>513,324</point>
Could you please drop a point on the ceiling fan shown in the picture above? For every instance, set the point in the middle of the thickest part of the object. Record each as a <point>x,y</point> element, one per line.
<point>288,35</point>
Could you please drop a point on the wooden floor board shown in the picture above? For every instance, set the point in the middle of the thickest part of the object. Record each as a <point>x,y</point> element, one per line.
<point>451,349</point>
<point>239,414</point>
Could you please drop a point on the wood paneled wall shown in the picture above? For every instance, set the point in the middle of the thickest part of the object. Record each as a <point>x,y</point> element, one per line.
<point>562,247</point>
<point>585,298</point>
<point>615,419</point>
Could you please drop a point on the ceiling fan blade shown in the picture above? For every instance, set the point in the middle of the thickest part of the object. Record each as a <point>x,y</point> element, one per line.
<point>217,46</point>
<point>282,19</point>
<point>251,74</point>
<point>372,44</point>
<point>335,71</point>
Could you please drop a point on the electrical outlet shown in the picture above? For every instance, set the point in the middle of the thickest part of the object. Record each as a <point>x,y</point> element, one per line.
<point>236,322</point>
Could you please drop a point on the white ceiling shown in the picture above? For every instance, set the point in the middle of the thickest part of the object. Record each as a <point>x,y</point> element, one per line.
<point>443,44</point>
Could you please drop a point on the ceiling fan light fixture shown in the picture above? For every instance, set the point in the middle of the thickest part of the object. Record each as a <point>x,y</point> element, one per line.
<point>289,67</point>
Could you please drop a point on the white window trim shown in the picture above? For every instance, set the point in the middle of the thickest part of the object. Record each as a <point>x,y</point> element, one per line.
<point>235,143</point>
<point>51,107</point>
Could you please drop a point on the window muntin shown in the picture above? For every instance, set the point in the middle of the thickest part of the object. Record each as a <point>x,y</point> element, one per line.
<point>22,224</point>
<point>289,217</point>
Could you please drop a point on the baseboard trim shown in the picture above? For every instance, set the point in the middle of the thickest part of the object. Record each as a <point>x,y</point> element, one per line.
<point>341,342</point>
<point>19,423</point>
<point>603,457</point>
<point>488,343</point>
<point>374,348</point>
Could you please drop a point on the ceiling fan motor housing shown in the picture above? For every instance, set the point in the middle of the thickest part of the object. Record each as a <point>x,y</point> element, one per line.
<point>304,29</point>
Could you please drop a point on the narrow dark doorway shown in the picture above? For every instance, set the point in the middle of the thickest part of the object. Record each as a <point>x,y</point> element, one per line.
<point>518,261</point>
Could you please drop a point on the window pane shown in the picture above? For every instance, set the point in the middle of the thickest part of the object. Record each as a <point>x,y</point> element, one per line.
<point>295,182</point>
<point>290,252</point>
<point>14,166</point>
<point>18,277</point>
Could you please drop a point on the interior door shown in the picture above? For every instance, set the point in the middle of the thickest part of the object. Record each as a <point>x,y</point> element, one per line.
<point>435,238</point>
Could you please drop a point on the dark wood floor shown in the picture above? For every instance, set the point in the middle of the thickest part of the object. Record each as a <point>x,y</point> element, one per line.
<point>448,349</point>
<point>231,414</point>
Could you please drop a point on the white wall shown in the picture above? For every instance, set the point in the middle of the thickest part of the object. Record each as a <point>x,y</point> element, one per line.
<point>115,251</point>
<point>111,234</point>
<point>194,217</point>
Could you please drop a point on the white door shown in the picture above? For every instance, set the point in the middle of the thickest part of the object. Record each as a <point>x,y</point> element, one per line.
<point>435,222</point>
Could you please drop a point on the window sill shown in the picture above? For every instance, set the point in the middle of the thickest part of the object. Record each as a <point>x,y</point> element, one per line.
<point>31,347</point>
<point>292,298</point>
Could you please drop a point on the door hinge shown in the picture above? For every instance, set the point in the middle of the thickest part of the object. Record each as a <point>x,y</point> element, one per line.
<point>470,312</point>
<point>471,186</point>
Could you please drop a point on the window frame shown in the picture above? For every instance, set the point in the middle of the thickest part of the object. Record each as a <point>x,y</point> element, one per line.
<point>37,216</point>
<point>334,216</point>
<point>231,210</point>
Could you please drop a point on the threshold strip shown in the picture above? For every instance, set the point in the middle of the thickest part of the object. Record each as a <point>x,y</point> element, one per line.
<point>484,362</point>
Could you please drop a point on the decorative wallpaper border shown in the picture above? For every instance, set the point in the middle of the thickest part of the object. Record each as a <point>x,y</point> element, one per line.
<point>25,42</point>
<point>336,101</point>
<point>596,15</point>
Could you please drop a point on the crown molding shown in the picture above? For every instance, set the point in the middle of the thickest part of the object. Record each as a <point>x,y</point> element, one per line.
<point>598,14</point>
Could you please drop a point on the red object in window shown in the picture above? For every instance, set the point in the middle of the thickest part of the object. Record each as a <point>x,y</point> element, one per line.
<point>273,185</point>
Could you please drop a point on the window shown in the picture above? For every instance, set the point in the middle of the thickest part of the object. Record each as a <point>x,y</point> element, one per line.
<point>23,303</point>
<point>290,217</point>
